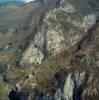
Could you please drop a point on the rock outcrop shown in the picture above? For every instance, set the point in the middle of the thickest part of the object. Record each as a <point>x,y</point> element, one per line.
<point>60,28</point>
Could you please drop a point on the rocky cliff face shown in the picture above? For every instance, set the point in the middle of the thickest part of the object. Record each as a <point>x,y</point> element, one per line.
<point>59,59</point>
<point>60,29</point>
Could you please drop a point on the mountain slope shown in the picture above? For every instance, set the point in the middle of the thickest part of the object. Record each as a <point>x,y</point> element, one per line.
<point>60,29</point>
<point>50,51</point>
